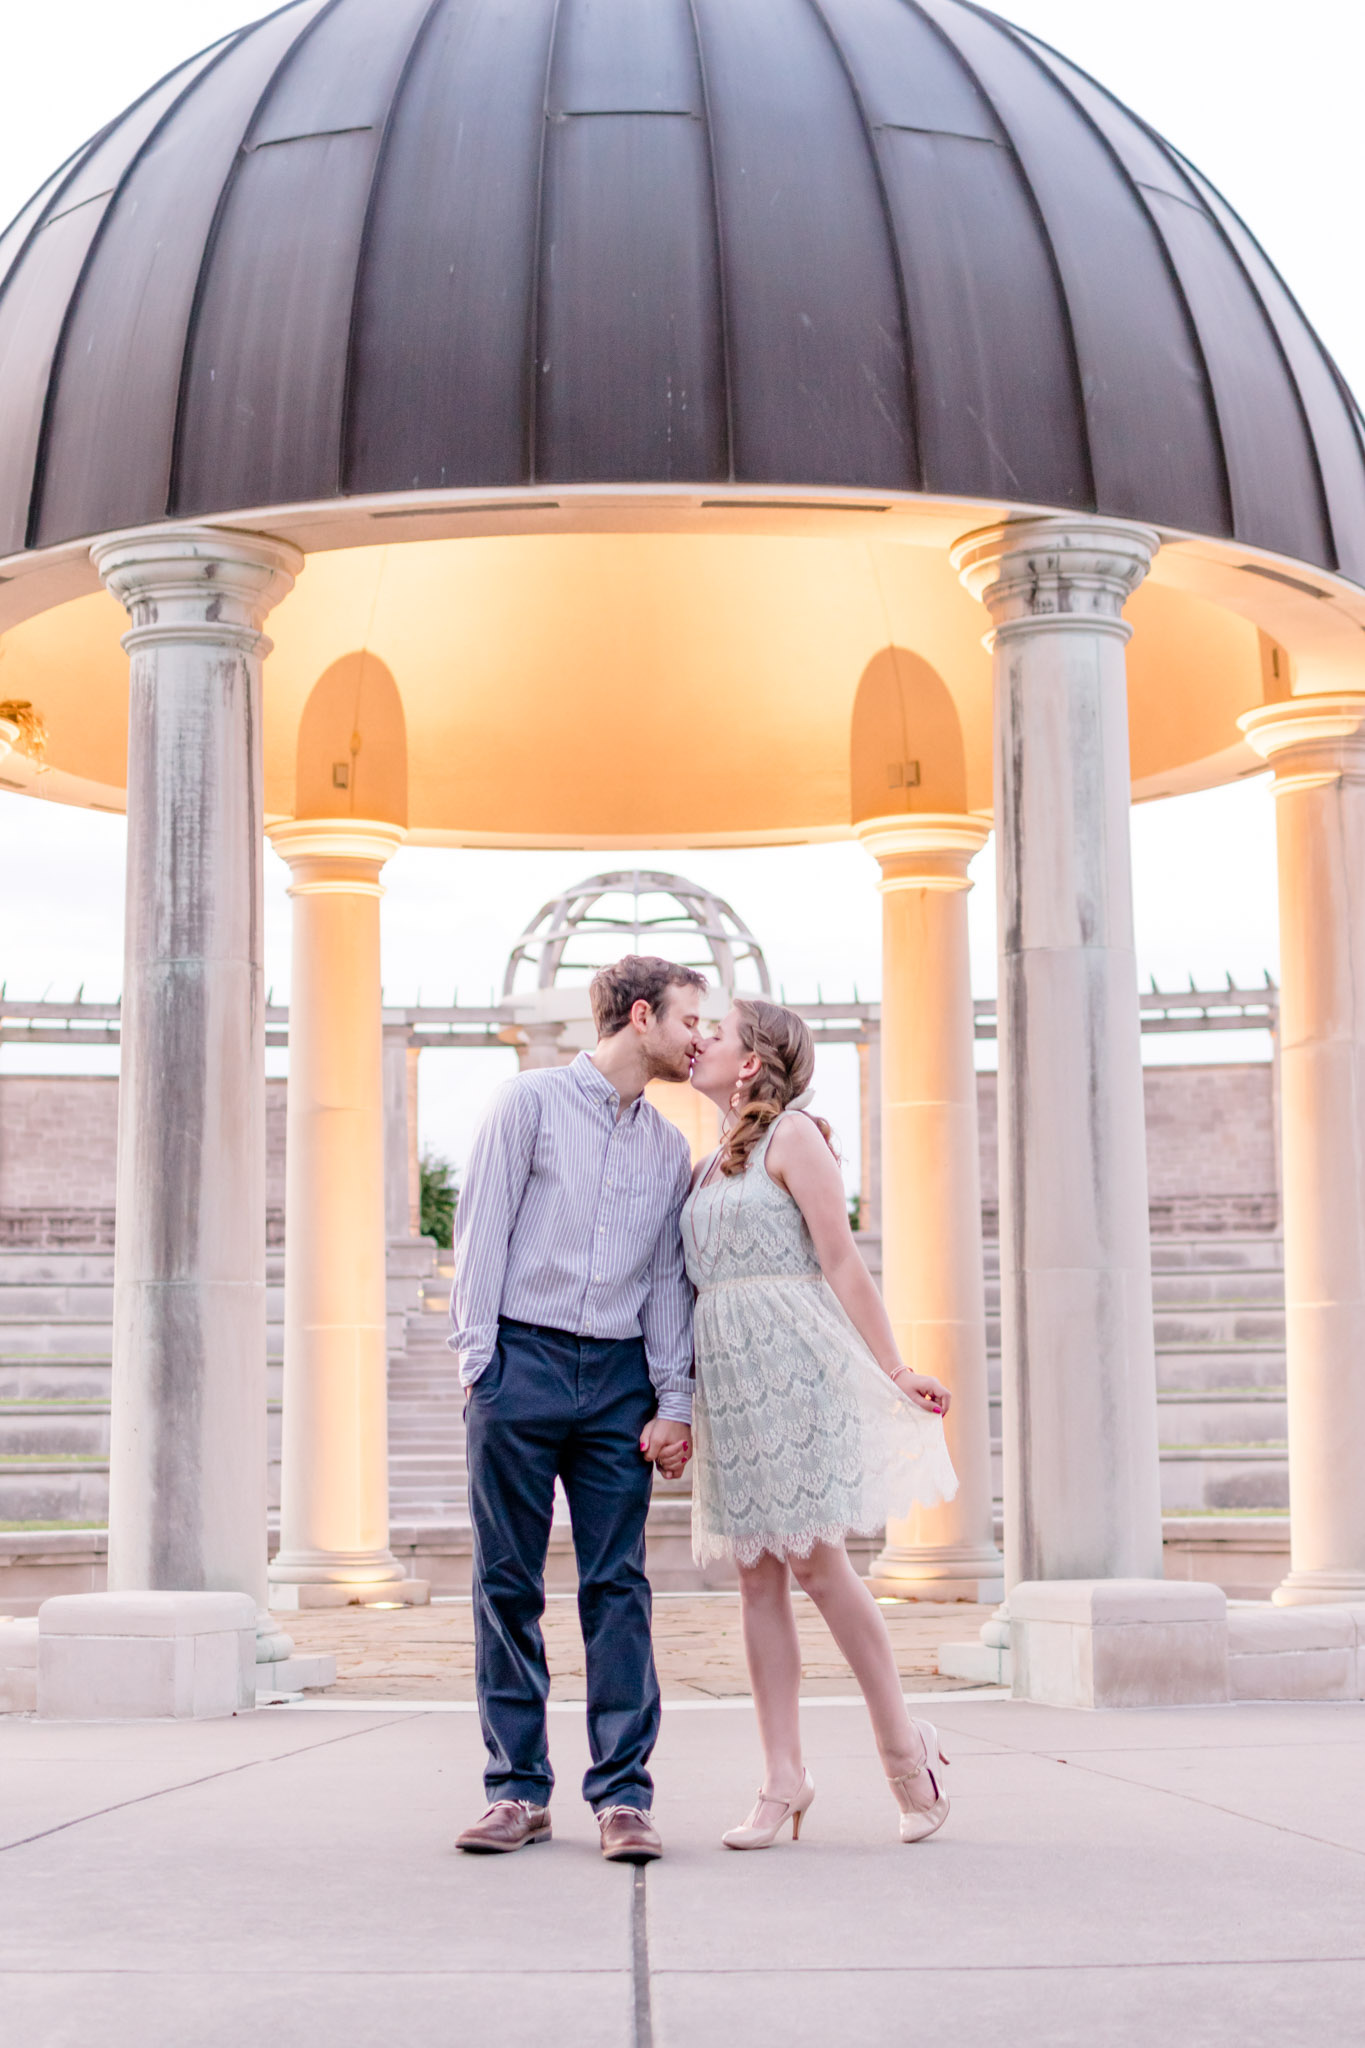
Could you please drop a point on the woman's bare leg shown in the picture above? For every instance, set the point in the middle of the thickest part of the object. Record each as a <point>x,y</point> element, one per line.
<point>854,1620</point>
<point>773,1654</point>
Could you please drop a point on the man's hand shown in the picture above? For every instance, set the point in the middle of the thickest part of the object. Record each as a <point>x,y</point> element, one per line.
<point>667,1445</point>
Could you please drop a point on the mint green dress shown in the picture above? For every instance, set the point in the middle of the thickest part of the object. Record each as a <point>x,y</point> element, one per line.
<point>799,1437</point>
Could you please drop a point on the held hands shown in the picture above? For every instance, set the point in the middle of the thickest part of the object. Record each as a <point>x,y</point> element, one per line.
<point>923,1389</point>
<point>667,1445</point>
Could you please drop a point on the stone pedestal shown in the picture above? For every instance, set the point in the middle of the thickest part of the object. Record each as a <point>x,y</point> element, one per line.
<point>187,1459</point>
<point>1079,1375</point>
<point>1300,1652</point>
<point>1316,746</point>
<point>146,1656</point>
<point>1119,1643</point>
<point>334,1470</point>
<point>932,1276</point>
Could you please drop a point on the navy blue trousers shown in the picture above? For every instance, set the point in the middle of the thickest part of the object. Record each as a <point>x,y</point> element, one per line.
<point>550,1405</point>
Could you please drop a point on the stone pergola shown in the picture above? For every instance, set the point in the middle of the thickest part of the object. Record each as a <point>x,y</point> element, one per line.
<point>681,425</point>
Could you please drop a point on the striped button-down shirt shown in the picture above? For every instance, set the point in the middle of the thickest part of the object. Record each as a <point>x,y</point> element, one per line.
<point>568,1217</point>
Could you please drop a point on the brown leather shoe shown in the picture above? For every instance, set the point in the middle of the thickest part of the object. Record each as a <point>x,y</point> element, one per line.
<point>628,1835</point>
<point>508,1824</point>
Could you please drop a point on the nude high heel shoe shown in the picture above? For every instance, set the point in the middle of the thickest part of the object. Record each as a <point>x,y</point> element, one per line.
<point>751,1836</point>
<point>919,1822</point>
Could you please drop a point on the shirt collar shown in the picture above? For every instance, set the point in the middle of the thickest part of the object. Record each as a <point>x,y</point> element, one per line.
<point>595,1084</point>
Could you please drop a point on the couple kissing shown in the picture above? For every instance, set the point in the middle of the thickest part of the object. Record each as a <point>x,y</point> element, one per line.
<point>615,1310</point>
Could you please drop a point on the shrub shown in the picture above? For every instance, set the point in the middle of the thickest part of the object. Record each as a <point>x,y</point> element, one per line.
<point>440,1192</point>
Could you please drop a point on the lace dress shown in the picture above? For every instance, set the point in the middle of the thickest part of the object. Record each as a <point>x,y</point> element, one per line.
<point>799,1437</point>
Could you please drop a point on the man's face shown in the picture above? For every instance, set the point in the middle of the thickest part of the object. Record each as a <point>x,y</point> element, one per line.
<point>672,1034</point>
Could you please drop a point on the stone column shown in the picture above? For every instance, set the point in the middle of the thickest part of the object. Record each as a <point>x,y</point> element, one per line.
<point>399,1146</point>
<point>1316,746</point>
<point>538,1044</point>
<point>187,1460</point>
<point>870,1130</point>
<point>334,1470</point>
<point>1082,1495</point>
<point>931,1190</point>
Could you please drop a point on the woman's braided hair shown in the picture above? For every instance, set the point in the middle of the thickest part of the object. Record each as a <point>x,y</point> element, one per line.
<point>786,1052</point>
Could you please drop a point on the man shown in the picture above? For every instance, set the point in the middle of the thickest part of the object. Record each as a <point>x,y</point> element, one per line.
<point>573,1324</point>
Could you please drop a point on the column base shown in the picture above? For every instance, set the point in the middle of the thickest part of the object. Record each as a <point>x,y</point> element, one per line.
<point>294,1598</point>
<point>295,1675</point>
<point>1119,1643</point>
<point>1320,1589</point>
<point>342,1579</point>
<point>973,1572</point>
<point>987,1661</point>
<point>979,1663</point>
<point>273,1646</point>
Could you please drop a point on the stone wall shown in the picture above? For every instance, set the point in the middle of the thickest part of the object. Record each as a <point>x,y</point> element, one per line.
<point>58,1152</point>
<point>1211,1155</point>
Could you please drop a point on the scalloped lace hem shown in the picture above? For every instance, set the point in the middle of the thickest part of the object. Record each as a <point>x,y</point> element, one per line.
<point>709,1547</point>
<point>748,1549</point>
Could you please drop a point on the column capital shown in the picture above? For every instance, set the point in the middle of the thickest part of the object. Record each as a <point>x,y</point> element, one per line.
<point>925,849</point>
<point>1057,572</point>
<point>205,584</point>
<point>1310,741</point>
<point>335,856</point>
<point>9,733</point>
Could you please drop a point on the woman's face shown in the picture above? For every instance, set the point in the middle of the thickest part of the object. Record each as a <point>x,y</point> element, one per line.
<point>723,1064</point>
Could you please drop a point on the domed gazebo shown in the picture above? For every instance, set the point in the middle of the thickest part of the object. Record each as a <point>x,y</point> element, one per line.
<point>683,423</point>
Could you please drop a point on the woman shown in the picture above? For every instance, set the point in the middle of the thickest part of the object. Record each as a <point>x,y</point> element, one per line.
<point>807,1425</point>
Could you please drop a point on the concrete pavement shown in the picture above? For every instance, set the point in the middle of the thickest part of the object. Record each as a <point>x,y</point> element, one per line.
<point>1192,1876</point>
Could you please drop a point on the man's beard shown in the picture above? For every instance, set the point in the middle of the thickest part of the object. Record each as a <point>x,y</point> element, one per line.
<point>679,1071</point>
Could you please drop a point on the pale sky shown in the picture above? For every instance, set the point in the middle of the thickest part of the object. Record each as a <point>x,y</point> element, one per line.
<point>1264,99</point>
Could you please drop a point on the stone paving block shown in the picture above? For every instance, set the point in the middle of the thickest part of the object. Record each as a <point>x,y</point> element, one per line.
<point>1053,1912</point>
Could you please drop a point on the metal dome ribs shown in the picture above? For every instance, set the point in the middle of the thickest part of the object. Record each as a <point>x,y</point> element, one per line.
<point>897,245</point>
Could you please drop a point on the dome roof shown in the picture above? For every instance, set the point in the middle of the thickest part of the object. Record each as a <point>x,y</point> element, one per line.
<point>377,246</point>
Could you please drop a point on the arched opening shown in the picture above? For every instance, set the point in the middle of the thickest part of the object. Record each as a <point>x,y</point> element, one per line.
<point>906,744</point>
<point>353,745</point>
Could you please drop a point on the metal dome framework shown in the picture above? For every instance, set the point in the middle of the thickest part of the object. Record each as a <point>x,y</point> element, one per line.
<point>701,931</point>
<point>379,246</point>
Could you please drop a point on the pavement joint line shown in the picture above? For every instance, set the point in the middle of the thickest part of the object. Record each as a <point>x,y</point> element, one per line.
<point>1257,1820</point>
<point>641,2009</point>
<point>327,1972</point>
<point>979,1969</point>
<point>735,1703</point>
<point>184,1785</point>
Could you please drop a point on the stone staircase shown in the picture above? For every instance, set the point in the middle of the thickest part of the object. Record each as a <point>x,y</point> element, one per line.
<point>1220,1372</point>
<point>426,1401</point>
<point>55,1341</point>
<point>1220,1365</point>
